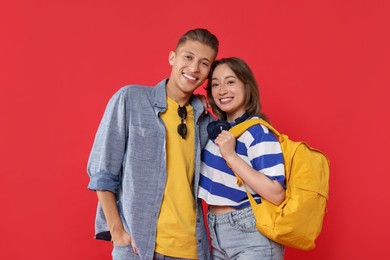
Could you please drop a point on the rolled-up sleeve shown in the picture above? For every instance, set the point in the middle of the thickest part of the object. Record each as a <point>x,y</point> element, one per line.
<point>106,158</point>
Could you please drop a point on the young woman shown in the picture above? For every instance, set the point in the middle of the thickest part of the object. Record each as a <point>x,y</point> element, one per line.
<point>255,156</point>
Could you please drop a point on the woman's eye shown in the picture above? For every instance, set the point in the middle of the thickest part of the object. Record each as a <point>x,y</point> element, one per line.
<point>214,85</point>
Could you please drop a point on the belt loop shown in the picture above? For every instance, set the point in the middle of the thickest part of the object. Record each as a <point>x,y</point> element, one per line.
<point>211,218</point>
<point>231,220</point>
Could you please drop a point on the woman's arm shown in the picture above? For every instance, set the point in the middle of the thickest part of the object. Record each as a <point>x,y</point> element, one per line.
<point>268,189</point>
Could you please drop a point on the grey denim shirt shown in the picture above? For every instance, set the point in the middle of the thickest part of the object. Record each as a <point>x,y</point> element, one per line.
<point>128,158</point>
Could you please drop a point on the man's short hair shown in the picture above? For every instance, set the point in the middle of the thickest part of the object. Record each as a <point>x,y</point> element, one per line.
<point>201,35</point>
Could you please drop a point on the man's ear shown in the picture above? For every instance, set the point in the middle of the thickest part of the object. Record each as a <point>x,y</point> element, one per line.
<point>172,56</point>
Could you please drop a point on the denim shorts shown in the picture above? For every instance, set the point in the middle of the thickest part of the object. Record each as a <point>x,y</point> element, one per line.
<point>234,236</point>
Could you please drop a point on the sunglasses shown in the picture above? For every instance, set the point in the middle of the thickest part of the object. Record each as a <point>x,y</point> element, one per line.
<point>182,127</point>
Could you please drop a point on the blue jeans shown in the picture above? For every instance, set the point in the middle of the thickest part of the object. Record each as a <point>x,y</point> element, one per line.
<point>234,236</point>
<point>126,252</point>
<point>158,256</point>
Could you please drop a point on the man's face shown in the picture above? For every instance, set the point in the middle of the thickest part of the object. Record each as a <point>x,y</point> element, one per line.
<point>191,64</point>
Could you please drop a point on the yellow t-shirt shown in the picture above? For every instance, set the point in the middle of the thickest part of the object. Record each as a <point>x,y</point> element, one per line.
<point>176,223</point>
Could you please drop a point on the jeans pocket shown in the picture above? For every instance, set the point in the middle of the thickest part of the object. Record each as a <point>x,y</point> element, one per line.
<point>122,252</point>
<point>247,225</point>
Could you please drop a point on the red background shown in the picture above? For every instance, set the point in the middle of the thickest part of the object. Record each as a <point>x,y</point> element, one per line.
<point>323,67</point>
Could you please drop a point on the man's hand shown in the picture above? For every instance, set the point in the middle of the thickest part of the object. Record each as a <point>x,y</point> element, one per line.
<point>119,237</point>
<point>204,101</point>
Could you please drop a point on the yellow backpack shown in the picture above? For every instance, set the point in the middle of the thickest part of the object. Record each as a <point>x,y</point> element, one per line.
<point>297,222</point>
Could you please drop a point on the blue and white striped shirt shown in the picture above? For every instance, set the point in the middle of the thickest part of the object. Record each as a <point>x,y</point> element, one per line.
<point>259,148</point>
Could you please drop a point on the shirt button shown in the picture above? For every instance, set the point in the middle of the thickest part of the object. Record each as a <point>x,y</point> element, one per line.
<point>199,241</point>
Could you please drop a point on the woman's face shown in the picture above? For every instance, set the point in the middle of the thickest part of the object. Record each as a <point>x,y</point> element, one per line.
<point>228,92</point>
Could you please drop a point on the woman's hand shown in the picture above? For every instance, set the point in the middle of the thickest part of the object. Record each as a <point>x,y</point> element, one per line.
<point>226,143</point>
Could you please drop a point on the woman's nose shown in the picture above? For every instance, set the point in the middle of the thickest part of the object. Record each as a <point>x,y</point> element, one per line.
<point>222,89</point>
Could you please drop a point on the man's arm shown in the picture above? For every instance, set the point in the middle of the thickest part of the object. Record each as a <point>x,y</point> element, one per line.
<point>105,165</point>
<point>119,236</point>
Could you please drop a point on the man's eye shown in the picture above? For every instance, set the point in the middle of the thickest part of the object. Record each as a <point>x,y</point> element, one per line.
<point>187,57</point>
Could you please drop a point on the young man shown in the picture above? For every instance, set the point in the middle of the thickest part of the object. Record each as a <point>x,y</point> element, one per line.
<point>145,161</point>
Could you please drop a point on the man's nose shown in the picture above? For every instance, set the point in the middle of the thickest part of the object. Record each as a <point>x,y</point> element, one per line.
<point>194,66</point>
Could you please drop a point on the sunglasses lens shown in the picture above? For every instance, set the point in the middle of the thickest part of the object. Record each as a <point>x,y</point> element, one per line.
<point>182,130</point>
<point>182,127</point>
<point>182,111</point>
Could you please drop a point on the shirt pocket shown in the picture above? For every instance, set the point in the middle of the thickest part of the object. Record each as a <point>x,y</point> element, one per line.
<point>145,144</point>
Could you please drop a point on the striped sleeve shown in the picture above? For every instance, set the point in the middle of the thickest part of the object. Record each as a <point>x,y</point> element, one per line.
<point>264,152</point>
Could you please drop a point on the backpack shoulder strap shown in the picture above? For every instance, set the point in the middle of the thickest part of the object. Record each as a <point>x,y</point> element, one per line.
<point>240,128</point>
